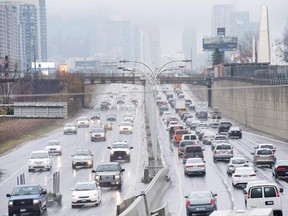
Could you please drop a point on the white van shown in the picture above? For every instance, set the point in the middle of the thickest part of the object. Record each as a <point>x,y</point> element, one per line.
<point>264,195</point>
<point>251,212</point>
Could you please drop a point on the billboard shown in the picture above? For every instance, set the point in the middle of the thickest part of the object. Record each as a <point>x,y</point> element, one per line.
<point>222,43</point>
<point>62,69</point>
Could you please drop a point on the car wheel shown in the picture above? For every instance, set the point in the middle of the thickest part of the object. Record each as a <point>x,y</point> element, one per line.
<point>48,169</point>
<point>111,159</point>
<point>240,137</point>
<point>214,160</point>
<point>204,173</point>
<point>120,187</point>
<point>73,166</point>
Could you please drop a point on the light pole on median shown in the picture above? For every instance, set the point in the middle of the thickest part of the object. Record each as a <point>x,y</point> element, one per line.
<point>152,76</point>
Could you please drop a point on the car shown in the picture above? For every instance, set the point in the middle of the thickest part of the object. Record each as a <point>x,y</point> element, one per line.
<point>201,202</point>
<point>243,175</point>
<point>111,117</point>
<point>269,146</point>
<point>184,143</point>
<point>214,124</point>
<point>186,116</point>
<point>54,146</point>
<point>125,127</point>
<point>248,185</point>
<point>236,162</point>
<point>27,198</point>
<point>189,121</point>
<point>190,136</point>
<point>172,130</point>
<point>280,169</point>
<point>192,151</point>
<point>104,105</point>
<point>224,127</point>
<point>194,166</point>
<point>215,115</point>
<point>208,137</point>
<point>128,117</point>
<point>39,159</point>
<point>166,115</point>
<point>120,150</point>
<point>86,193</point>
<point>82,157</point>
<point>107,126</point>
<point>82,122</point>
<point>219,138</point>
<point>171,118</point>
<point>120,100</point>
<point>109,174</point>
<point>163,108</point>
<point>98,134</point>
<point>172,123</point>
<point>95,116</point>
<point>202,115</point>
<point>188,102</point>
<point>264,195</point>
<point>200,127</point>
<point>222,151</point>
<point>134,101</point>
<point>178,135</point>
<point>70,128</point>
<point>264,156</point>
<point>194,124</point>
<point>235,132</point>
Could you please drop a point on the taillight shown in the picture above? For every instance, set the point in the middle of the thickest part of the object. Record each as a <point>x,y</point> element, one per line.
<point>189,166</point>
<point>231,151</point>
<point>212,202</point>
<point>201,165</point>
<point>187,203</point>
<point>257,156</point>
<point>184,155</point>
<point>214,151</point>
<point>280,168</point>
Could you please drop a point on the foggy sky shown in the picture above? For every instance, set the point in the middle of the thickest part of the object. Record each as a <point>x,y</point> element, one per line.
<point>171,16</point>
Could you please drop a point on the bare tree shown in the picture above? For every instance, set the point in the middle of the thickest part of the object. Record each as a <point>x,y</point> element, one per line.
<point>245,48</point>
<point>282,47</point>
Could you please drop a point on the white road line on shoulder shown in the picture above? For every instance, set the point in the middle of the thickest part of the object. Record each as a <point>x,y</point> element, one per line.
<point>13,174</point>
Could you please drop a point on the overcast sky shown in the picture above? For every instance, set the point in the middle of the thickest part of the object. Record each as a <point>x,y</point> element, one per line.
<point>172,16</point>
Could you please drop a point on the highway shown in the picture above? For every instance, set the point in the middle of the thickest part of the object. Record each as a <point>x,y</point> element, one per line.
<point>14,163</point>
<point>216,179</point>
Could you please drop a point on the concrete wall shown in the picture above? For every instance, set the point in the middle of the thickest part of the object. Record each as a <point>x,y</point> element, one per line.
<point>266,106</point>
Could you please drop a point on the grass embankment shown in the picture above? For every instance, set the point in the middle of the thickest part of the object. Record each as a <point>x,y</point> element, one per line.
<point>14,132</point>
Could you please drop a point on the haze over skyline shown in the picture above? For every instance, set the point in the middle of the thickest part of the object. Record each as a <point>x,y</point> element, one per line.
<point>171,16</point>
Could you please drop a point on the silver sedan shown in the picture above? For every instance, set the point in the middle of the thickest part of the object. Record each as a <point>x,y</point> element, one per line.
<point>195,166</point>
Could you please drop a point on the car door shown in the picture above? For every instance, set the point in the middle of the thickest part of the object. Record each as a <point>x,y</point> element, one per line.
<point>271,197</point>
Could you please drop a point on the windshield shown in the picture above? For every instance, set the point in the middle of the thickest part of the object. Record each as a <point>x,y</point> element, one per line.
<point>107,167</point>
<point>238,161</point>
<point>223,147</point>
<point>85,186</point>
<point>120,145</point>
<point>39,155</point>
<point>29,190</point>
<point>82,153</point>
<point>53,143</point>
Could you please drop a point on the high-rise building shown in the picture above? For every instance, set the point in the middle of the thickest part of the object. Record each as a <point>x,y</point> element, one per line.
<point>24,38</point>
<point>221,18</point>
<point>189,43</point>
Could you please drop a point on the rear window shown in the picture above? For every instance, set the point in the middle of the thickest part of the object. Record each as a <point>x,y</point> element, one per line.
<point>256,192</point>
<point>193,149</point>
<point>181,132</point>
<point>225,124</point>
<point>266,146</point>
<point>220,147</point>
<point>269,192</point>
<point>264,152</point>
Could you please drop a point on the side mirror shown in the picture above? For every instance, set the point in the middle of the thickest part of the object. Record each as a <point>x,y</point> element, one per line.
<point>122,170</point>
<point>8,195</point>
<point>131,147</point>
<point>245,191</point>
<point>92,154</point>
<point>214,195</point>
<point>186,197</point>
<point>281,190</point>
<point>72,155</point>
<point>252,153</point>
<point>108,147</point>
<point>93,171</point>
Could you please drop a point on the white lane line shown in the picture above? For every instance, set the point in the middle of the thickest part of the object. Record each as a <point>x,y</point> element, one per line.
<point>13,174</point>
<point>262,136</point>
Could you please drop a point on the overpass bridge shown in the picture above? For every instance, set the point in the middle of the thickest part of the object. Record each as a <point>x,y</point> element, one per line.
<point>139,79</point>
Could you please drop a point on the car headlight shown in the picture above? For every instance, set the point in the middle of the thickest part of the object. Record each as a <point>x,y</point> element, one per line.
<point>97,177</point>
<point>10,203</point>
<point>127,151</point>
<point>35,201</point>
<point>117,177</point>
<point>89,162</point>
<point>102,135</point>
<point>112,152</point>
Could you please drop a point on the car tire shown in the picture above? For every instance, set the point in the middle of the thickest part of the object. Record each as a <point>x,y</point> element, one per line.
<point>204,173</point>
<point>240,137</point>
<point>48,169</point>
<point>214,160</point>
<point>30,170</point>
<point>111,159</point>
<point>120,187</point>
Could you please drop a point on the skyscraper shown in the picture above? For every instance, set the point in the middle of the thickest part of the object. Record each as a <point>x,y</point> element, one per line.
<point>221,18</point>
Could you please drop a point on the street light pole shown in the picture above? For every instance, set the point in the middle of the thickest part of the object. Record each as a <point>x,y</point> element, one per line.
<point>152,78</point>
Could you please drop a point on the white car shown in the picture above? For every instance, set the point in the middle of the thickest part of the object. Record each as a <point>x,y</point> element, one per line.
<point>126,127</point>
<point>195,166</point>
<point>83,122</point>
<point>70,128</point>
<point>166,114</point>
<point>86,193</point>
<point>54,146</point>
<point>128,117</point>
<point>200,127</point>
<point>243,175</point>
<point>266,146</point>
<point>172,123</point>
<point>208,137</point>
<point>39,159</point>
<point>236,162</point>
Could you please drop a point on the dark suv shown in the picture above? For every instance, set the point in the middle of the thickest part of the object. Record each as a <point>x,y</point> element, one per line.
<point>192,151</point>
<point>224,127</point>
<point>109,175</point>
<point>27,198</point>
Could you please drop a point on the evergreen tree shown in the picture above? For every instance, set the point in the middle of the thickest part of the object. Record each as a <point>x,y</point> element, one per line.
<point>216,57</point>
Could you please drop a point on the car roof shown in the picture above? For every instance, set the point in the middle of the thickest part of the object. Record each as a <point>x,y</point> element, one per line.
<point>27,185</point>
<point>282,162</point>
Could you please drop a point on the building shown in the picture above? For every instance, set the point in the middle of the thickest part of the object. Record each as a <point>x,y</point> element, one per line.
<point>24,38</point>
<point>221,18</point>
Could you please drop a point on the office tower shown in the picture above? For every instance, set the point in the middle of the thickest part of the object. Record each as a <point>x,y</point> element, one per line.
<point>221,18</point>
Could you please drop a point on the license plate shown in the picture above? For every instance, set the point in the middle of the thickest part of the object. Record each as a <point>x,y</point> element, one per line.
<point>83,200</point>
<point>245,176</point>
<point>22,210</point>
<point>200,209</point>
<point>119,157</point>
<point>113,183</point>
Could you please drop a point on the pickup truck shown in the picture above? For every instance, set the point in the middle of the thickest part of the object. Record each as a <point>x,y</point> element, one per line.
<point>27,198</point>
<point>109,175</point>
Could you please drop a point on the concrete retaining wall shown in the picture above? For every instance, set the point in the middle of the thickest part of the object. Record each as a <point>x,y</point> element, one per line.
<point>153,195</point>
<point>264,108</point>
